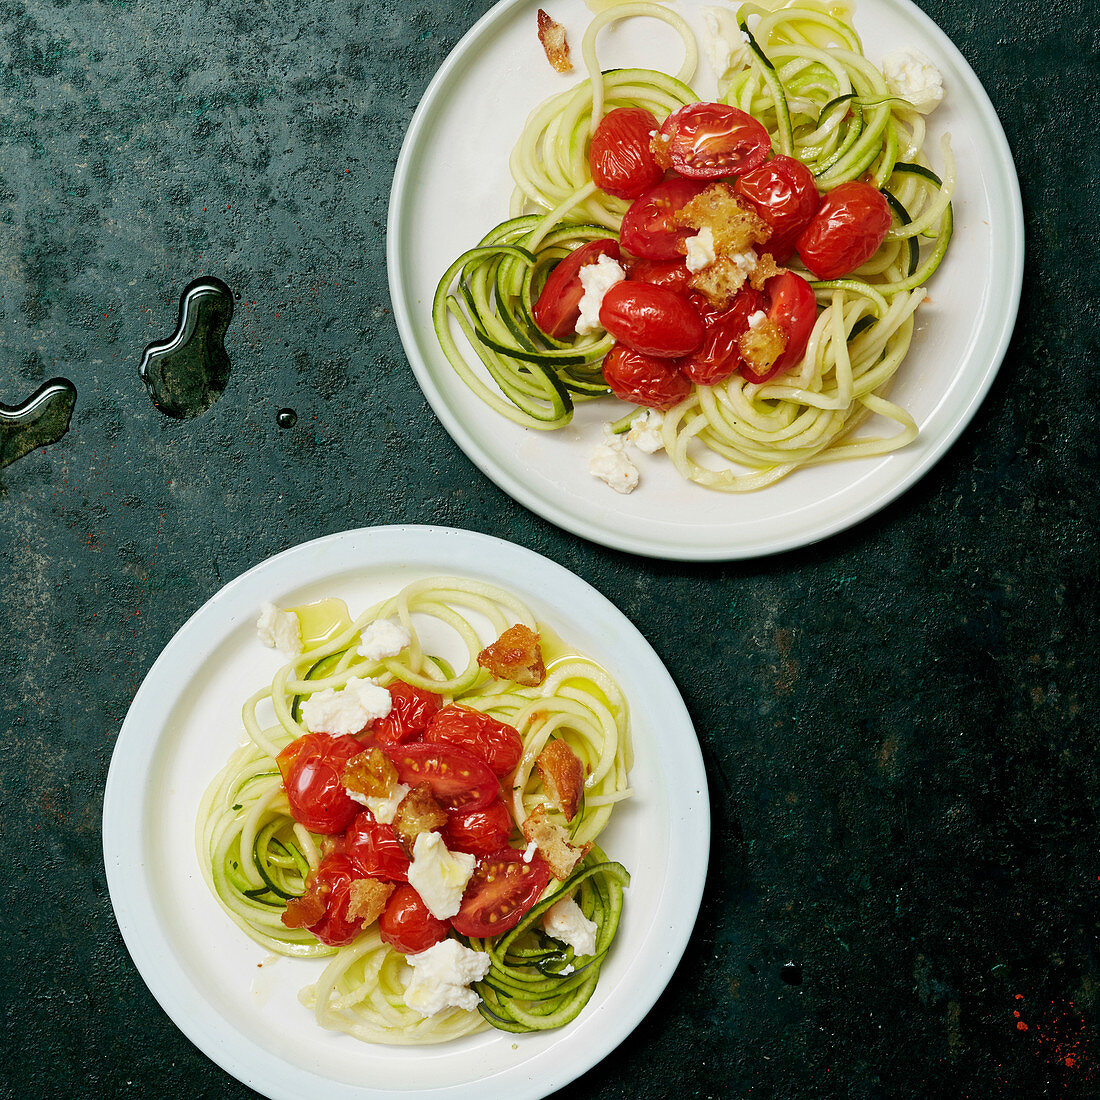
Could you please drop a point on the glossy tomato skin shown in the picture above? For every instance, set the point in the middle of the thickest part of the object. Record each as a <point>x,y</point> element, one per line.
<point>643,379</point>
<point>407,925</point>
<point>312,768</point>
<point>411,711</point>
<point>720,354</point>
<point>792,306</point>
<point>847,230</point>
<point>458,779</point>
<point>332,881</point>
<point>497,743</point>
<point>619,157</point>
<point>480,832</point>
<point>652,319</point>
<point>711,141</point>
<point>559,303</point>
<point>782,191</point>
<point>374,849</point>
<point>502,888</point>
<point>649,229</point>
<point>672,274</point>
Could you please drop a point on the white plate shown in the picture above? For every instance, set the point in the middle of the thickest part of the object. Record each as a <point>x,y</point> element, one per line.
<point>184,723</point>
<point>452,185</point>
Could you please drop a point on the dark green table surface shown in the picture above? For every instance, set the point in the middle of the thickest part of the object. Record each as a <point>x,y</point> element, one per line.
<point>900,723</point>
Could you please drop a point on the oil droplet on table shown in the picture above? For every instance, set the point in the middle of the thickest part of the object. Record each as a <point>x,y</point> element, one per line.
<point>187,373</point>
<point>286,418</point>
<point>37,422</point>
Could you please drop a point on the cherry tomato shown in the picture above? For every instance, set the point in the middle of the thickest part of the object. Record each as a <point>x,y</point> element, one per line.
<point>408,925</point>
<point>619,157</point>
<point>374,849</point>
<point>672,274</point>
<point>409,715</point>
<point>502,888</point>
<point>644,379</point>
<point>720,354</point>
<point>711,141</point>
<point>331,883</point>
<point>793,307</point>
<point>846,231</point>
<point>458,780</point>
<point>559,304</point>
<point>649,228</point>
<point>497,743</point>
<point>481,832</point>
<point>782,191</point>
<point>652,319</point>
<point>313,769</point>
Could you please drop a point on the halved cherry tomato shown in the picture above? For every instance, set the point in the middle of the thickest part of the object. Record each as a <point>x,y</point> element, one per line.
<point>481,832</point>
<point>649,227</point>
<point>782,191</point>
<point>793,307</point>
<point>720,354</point>
<point>652,319</point>
<point>408,925</point>
<point>619,157</point>
<point>672,274</point>
<point>711,141</point>
<point>502,888</point>
<point>312,767</point>
<point>458,780</point>
<point>846,231</point>
<point>644,379</point>
<point>373,847</point>
<point>411,710</point>
<point>331,884</point>
<point>497,743</point>
<point>559,304</point>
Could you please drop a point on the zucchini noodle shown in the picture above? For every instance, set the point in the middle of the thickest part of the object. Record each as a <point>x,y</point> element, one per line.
<point>255,856</point>
<point>822,101</point>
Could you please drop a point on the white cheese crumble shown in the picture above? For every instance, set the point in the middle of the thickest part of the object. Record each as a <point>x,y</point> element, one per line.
<point>609,463</point>
<point>383,807</point>
<point>441,977</point>
<point>911,75</point>
<point>348,710</point>
<point>438,875</point>
<point>597,279</point>
<point>757,319</point>
<point>279,630</point>
<point>700,249</point>
<point>566,923</point>
<point>645,431</point>
<point>383,638</point>
<point>726,45</point>
<point>745,262</point>
<point>529,852</point>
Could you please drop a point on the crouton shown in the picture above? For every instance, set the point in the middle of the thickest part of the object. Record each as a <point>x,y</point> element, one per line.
<point>370,773</point>
<point>306,911</point>
<point>735,225</point>
<point>552,37</point>
<point>418,812</point>
<point>516,655</point>
<point>562,776</point>
<point>367,898</point>
<point>762,346</point>
<point>552,843</point>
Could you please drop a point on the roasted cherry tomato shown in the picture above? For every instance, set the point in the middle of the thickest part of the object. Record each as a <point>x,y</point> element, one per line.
<point>497,743</point>
<point>502,888</point>
<point>407,924</point>
<point>649,227</point>
<point>672,274</point>
<point>374,849</point>
<point>846,231</point>
<point>720,354</point>
<point>331,885</point>
<point>644,379</point>
<point>409,715</point>
<point>711,141</point>
<point>458,780</point>
<point>619,157</point>
<point>793,307</point>
<point>481,832</point>
<point>313,777</point>
<point>651,319</point>
<point>559,304</point>
<point>782,191</point>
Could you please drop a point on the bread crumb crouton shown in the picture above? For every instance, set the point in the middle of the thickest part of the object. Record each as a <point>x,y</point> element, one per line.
<point>562,776</point>
<point>761,346</point>
<point>556,48</point>
<point>735,225</point>
<point>552,843</point>
<point>418,812</point>
<point>370,773</point>
<point>516,655</point>
<point>306,911</point>
<point>766,268</point>
<point>367,898</point>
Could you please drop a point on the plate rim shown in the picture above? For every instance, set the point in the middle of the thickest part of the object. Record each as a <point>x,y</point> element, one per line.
<point>130,889</point>
<point>661,549</point>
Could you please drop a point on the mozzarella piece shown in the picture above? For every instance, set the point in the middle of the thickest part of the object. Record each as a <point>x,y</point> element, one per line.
<point>597,279</point>
<point>565,923</point>
<point>911,75</point>
<point>438,875</point>
<point>279,630</point>
<point>726,45</point>
<point>700,250</point>
<point>645,431</point>
<point>348,710</point>
<point>609,462</point>
<point>383,807</point>
<point>441,977</point>
<point>383,638</point>
<point>757,319</point>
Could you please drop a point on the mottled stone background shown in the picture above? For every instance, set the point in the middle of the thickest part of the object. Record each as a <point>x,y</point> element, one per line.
<point>900,723</point>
